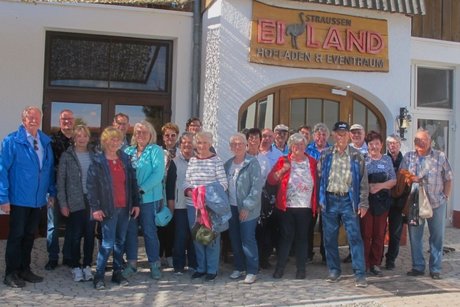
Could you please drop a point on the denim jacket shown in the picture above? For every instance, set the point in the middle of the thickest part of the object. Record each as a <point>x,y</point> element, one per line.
<point>248,186</point>
<point>359,188</point>
<point>99,184</point>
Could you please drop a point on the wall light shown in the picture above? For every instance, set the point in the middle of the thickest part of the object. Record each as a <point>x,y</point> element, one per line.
<point>403,120</point>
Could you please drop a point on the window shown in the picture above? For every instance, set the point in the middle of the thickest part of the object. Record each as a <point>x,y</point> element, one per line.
<point>107,62</point>
<point>98,76</point>
<point>434,88</point>
<point>258,114</point>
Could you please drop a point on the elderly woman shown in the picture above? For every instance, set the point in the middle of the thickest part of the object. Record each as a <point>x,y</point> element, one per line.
<point>147,159</point>
<point>113,198</point>
<point>244,188</point>
<point>170,132</point>
<point>382,178</point>
<point>183,245</point>
<point>73,201</point>
<point>203,169</point>
<point>295,176</point>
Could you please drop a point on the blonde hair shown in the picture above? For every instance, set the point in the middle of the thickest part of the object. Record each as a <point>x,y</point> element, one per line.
<point>149,127</point>
<point>170,126</point>
<point>79,128</point>
<point>109,133</point>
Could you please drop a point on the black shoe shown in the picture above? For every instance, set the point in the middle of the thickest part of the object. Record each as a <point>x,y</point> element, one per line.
<point>347,259</point>
<point>300,274</point>
<point>67,262</point>
<point>390,266</point>
<point>375,270</point>
<point>197,275</point>
<point>12,280</point>
<point>51,265</point>
<point>210,277</point>
<point>278,273</point>
<point>30,277</point>
<point>265,264</point>
<point>333,278</point>
<point>118,278</point>
<point>99,283</point>
<point>435,275</point>
<point>415,273</point>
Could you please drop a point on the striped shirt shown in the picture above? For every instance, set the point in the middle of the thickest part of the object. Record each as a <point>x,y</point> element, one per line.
<point>204,172</point>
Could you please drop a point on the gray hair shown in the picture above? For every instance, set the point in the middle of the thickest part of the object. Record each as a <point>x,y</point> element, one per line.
<point>296,138</point>
<point>203,135</point>
<point>425,131</point>
<point>186,134</point>
<point>393,137</point>
<point>26,111</point>
<point>322,127</point>
<point>240,136</point>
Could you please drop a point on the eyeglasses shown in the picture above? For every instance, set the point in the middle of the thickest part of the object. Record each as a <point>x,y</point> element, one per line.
<point>35,144</point>
<point>237,144</point>
<point>173,135</point>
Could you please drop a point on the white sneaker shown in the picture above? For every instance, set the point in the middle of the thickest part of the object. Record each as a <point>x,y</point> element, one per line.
<point>250,279</point>
<point>236,274</point>
<point>77,274</point>
<point>87,274</point>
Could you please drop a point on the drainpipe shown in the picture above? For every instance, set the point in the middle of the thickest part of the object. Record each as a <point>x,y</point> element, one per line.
<point>196,64</point>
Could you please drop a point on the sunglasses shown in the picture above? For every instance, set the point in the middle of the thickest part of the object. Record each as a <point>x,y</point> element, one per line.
<point>35,145</point>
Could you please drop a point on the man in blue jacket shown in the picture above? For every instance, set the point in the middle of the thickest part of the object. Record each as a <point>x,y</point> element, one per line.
<point>26,179</point>
<point>343,196</point>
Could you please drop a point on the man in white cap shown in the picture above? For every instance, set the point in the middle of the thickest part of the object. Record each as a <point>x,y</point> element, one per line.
<point>281,136</point>
<point>357,135</point>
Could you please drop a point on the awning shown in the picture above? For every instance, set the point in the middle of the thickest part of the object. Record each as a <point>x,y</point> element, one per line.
<point>410,7</point>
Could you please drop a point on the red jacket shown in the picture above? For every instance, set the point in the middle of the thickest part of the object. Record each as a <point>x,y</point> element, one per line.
<point>282,182</point>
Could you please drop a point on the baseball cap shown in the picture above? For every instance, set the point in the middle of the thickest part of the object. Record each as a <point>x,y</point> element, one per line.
<point>281,127</point>
<point>356,127</point>
<point>341,126</point>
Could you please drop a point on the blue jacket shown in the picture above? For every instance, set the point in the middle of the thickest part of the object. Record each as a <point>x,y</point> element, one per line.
<point>22,182</point>
<point>359,189</point>
<point>99,184</point>
<point>248,186</point>
<point>150,171</point>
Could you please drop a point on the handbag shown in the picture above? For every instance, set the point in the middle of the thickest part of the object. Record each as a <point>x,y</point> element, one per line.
<point>425,209</point>
<point>162,216</point>
<point>201,233</point>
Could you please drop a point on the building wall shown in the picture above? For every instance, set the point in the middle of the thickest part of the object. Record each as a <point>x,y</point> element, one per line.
<point>226,26</point>
<point>22,52</point>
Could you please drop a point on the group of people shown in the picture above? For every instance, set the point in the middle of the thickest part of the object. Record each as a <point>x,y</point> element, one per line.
<point>269,195</point>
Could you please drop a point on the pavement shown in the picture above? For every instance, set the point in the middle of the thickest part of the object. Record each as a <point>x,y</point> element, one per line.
<point>393,289</point>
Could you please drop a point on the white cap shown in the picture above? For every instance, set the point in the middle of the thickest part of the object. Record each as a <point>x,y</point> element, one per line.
<point>281,127</point>
<point>356,127</point>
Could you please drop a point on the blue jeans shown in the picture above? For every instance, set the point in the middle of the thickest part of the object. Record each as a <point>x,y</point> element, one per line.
<point>244,245</point>
<point>113,239</point>
<point>81,225</point>
<point>182,242</point>
<point>149,230</point>
<point>436,226</point>
<point>23,227</point>
<point>340,208</point>
<point>52,239</point>
<point>207,256</point>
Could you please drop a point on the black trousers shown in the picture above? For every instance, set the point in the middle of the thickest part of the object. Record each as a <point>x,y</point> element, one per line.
<point>395,226</point>
<point>294,224</point>
<point>23,227</point>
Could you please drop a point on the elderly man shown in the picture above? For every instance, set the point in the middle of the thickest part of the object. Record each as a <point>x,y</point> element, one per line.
<point>433,172</point>
<point>343,196</point>
<point>357,135</point>
<point>320,136</point>
<point>395,218</point>
<point>121,122</point>
<point>281,137</point>
<point>60,141</point>
<point>27,165</point>
<point>266,147</point>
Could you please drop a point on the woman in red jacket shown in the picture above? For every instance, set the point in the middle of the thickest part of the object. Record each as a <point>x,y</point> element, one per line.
<point>295,176</point>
